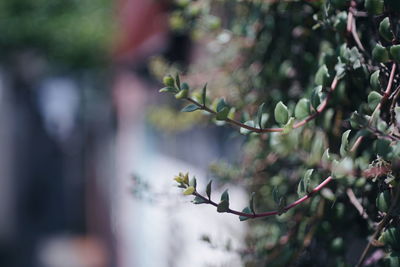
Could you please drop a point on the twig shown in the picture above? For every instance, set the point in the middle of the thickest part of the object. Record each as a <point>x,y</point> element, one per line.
<point>270,213</point>
<point>356,203</point>
<point>319,110</point>
<point>383,100</point>
<point>381,225</point>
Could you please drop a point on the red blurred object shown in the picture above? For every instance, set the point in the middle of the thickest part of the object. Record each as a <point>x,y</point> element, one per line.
<point>143,28</point>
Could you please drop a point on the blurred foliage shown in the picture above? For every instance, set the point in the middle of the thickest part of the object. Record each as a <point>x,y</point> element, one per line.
<point>286,55</point>
<point>70,33</point>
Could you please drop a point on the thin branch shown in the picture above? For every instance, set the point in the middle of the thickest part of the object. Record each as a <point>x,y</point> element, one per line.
<point>319,110</point>
<point>270,213</point>
<point>381,225</point>
<point>356,203</point>
<point>383,100</point>
<point>352,27</point>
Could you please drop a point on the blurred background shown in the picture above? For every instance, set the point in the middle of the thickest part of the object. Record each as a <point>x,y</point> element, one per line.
<point>88,147</point>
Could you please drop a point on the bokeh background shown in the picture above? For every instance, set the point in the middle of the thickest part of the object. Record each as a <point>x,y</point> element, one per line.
<point>88,148</point>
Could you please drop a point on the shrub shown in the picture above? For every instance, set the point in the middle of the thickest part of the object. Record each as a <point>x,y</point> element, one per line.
<point>313,85</point>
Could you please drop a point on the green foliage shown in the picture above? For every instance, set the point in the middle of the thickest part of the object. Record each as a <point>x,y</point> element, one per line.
<point>310,85</point>
<point>72,33</point>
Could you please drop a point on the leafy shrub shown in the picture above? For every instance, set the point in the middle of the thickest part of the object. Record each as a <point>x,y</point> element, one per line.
<point>313,85</point>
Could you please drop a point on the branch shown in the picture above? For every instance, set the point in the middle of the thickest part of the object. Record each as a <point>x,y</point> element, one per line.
<point>270,213</point>
<point>319,110</point>
<point>383,100</point>
<point>381,225</point>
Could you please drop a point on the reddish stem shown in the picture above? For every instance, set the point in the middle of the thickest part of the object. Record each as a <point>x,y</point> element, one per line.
<point>275,212</point>
<point>319,110</point>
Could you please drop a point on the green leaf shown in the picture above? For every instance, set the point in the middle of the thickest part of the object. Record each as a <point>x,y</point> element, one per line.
<point>328,194</point>
<point>182,94</point>
<point>288,126</point>
<point>221,105</point>
<point>193,182</point>
<point>208,189</point>
<point>225,196</point>
<point>168,81</point>
<point>358,121</point>
<point>395,52</point>
<point>322,77</point>
<point>380,54</point>
<point>303,187</point>
<point>282,204</point>
<point>316,96</point>
<point>199,200</point>
<point>258,120</point>
<point>222,110</point>
<point>374,98</point>
<point>190,190</point>
<point>374,81</point>
<point>190,108</point>
<point>231,114</point>
<point>251,206</point>
<point>244,130</point>
<point>185,86</point>
<point>344,147</point>
<point>223,206</point>
<point>168,90</point>
<point>281,113</point>
<point>383,201</point>
<point>204,94</point>
<point>245,210</point>
<point>223,114</point>
<point>342,168</point>
<point>384,30</point>
<point>382,148</point>
<point>302,109</point>
<point>326,157</point>
<point>178,81</point>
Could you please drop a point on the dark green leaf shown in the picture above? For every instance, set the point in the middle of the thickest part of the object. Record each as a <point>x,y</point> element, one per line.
<point>245,210</point>
<point>193,182</point>
<point>208,189</point>
<point>322,77</point>
<point>357,120</point>
<point>204,94</point>
<point>221,105</point>
<point>190,108</point>
<point>260,111</point>
<point>380,54</point>
<point>199,200</point>
<point>374,98</point>
<point>185,86</point>
<point>222,114</point>
<point>178,81</point>
<point>223,206</point>
<point>251,206</point>
<point>225,196</point>
<point>316,97</point>
<point>384,29</point>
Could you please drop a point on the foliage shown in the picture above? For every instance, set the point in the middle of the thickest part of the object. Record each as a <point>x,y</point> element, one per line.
<point>72,33</point>
<point>313,85</point>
